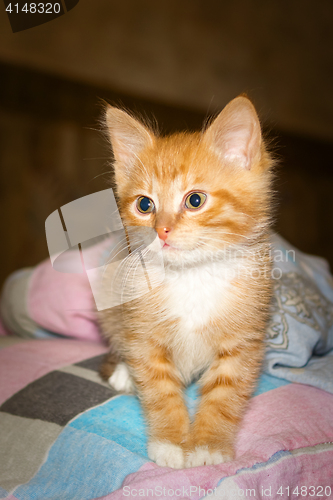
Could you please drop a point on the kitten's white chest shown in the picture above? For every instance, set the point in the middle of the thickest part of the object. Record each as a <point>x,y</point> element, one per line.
<point>195,297</point>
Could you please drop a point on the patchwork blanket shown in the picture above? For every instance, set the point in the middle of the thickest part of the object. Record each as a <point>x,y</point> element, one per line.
<point>66,435</point>
<point>42,302</point>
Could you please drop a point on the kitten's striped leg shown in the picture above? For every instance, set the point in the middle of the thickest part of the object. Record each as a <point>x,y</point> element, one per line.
<point>225,389</point>
<point>160,392</point>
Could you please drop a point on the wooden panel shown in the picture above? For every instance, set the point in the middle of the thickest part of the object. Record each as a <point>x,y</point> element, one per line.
<point>51,152</point>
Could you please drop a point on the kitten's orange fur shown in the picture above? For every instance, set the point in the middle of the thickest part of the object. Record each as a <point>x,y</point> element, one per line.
<point>200,321</point>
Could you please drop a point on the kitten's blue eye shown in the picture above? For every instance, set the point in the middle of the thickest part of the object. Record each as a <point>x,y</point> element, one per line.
<point>145,205</point>
<point>195,200</point>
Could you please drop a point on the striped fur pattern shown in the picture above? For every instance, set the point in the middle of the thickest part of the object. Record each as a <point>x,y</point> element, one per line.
<point>207,319</point>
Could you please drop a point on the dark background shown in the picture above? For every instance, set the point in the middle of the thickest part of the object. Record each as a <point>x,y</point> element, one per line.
<point>179,61</point>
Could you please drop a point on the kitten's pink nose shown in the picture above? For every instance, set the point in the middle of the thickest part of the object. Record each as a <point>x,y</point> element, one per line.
<point>163,232</point>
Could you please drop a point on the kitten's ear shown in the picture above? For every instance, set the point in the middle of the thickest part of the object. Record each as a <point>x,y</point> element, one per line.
<point>128,137</point>
<point>235,134</point>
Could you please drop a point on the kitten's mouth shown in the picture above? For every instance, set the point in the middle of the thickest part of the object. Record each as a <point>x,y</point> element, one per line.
<point>166,246</point>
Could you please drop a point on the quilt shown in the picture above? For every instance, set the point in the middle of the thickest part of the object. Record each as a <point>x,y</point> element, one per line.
<point>44,303</point>
<point>66,435</point>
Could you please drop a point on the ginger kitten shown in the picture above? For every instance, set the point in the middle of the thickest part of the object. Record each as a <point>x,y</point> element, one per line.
<point>208,196</point>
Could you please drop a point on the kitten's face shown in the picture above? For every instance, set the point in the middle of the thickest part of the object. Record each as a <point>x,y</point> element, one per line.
<point>202,193</point>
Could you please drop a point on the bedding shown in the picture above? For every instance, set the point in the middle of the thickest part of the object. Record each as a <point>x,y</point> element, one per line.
<point>65,434</point>
<point>42,302</point>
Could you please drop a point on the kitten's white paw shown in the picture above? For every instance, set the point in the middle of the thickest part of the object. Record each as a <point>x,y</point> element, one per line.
<point>202,456</point>
<point>121,379</point>
<point>166,454</point>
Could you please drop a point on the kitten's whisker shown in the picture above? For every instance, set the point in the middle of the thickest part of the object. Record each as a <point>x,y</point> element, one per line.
<point>228,248</point>
<point>247,215</point>
<point>129,258</point>
<point>133,265</point>
<point>137,258</point>
<point>120,246</point>
<point>112,255</point>
<point>99,175</point>
<point>121,271</point>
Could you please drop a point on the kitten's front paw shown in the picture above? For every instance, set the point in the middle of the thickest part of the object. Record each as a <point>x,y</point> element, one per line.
<point>166,454</point>
<point>201,455</point>
<point>121,379</point>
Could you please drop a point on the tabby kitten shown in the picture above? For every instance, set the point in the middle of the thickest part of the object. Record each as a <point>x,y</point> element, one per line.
<point>208,196</point>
